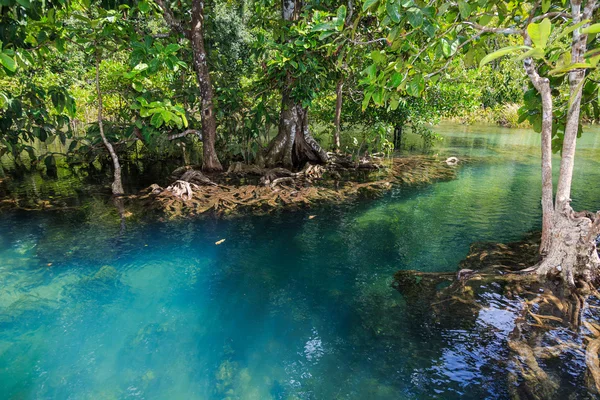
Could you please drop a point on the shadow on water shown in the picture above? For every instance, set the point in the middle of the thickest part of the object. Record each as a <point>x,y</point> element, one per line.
<point>97,304</point>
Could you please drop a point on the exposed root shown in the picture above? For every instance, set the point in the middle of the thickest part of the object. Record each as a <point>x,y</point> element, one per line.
<point>592,362</point>
<point>552,322</point>
<point>280,187</point>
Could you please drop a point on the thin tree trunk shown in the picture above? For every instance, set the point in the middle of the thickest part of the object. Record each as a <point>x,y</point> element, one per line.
<point>117,185</point>
<point>210,161</point>
<point>397,136</point>
<point>572,251</point>
<point>576,77</point>
<point>338,115</point>
<point>542,85</point>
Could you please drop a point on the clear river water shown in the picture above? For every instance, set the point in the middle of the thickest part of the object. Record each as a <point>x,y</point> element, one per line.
<point>296,305</point>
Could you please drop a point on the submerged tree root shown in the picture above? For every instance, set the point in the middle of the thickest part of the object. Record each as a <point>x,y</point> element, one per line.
<point>192,193</point>
<point>553,323</point>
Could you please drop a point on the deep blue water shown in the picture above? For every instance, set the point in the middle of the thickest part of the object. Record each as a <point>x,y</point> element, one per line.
<point>287,307</point>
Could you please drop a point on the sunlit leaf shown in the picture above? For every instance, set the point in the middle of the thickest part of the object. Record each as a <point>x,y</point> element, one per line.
<point>539,33</point>
<point>8,62</point>
<point>595,28</point>
<point>500,53</point>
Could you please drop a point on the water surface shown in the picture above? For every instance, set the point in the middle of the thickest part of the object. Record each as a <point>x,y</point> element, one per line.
<point>288,307</point>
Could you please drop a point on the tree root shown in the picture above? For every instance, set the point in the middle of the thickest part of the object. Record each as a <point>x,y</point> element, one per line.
<point>280,187</point>
<point>551,320</point>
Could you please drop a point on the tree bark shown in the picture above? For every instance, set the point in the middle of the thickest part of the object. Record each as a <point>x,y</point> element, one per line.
<point>210,161</point>
<point>397,136</point>
<point>576,77</point>
<point>542,85</point>
<point>117,185</point>
<point>294,145</point>
<point>338,115</point>
<point>571,250</point>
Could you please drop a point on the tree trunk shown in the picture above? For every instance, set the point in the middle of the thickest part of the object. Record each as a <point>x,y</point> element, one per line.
<point>294,145</point>
<point>117,185</point>
<point>210,161</point>
<point>542,85</point>
<point>571,251</point>
<point>397,136</point>
<point>338,115</point>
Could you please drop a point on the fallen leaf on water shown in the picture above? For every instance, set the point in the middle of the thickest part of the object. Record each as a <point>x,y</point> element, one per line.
<point>311,216</point>
<point>220,241</point>
<point>49,264</point>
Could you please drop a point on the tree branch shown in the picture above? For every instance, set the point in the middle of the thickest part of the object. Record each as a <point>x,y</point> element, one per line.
<point>185,133</point>
<point>485,29</point>
<point>170,19</point>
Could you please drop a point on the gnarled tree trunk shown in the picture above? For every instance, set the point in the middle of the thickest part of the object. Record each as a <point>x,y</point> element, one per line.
<point>294,145</point>
<point>568,238</point>
<point>572,252</point>
<point>210,161</point>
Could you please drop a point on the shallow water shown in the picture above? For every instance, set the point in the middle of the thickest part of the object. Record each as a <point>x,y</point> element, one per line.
<point>288,307</point>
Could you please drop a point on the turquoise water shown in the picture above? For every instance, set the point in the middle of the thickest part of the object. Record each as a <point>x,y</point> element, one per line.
<point>287,307</point>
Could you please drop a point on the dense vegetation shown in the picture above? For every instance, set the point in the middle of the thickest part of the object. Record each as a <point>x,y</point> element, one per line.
<point>152,96</point>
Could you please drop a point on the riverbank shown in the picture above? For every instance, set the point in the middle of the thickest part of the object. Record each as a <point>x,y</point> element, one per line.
<point>250,189</point>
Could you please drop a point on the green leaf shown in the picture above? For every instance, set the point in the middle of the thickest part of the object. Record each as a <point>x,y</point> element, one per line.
<point>394,102</point>
<point>485,19</point>
<point>395,80</point>
<point>393,10</point>
<point>172,48</point>
<point>378,96</point>
<point>369,3</point>
<point>536,53</point>
<point>449,48</point>
<point>324,26</point>
<point>464,8</point>
<point>570,67</point>
<point>546,5</point>
<point>371,70</point>
<point>144,6</point>
<point>8,62</point>
<point>571,29</point>
<point>341,15</point>
<point>415,17</point>
<point>156,120</point>
<point>137,85</point>
<point>540,33</point>
<point>366,100</point>
<point>500,53</point>
<point>595,28</point>
<point>416,86</point>
<point>378,57</point>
